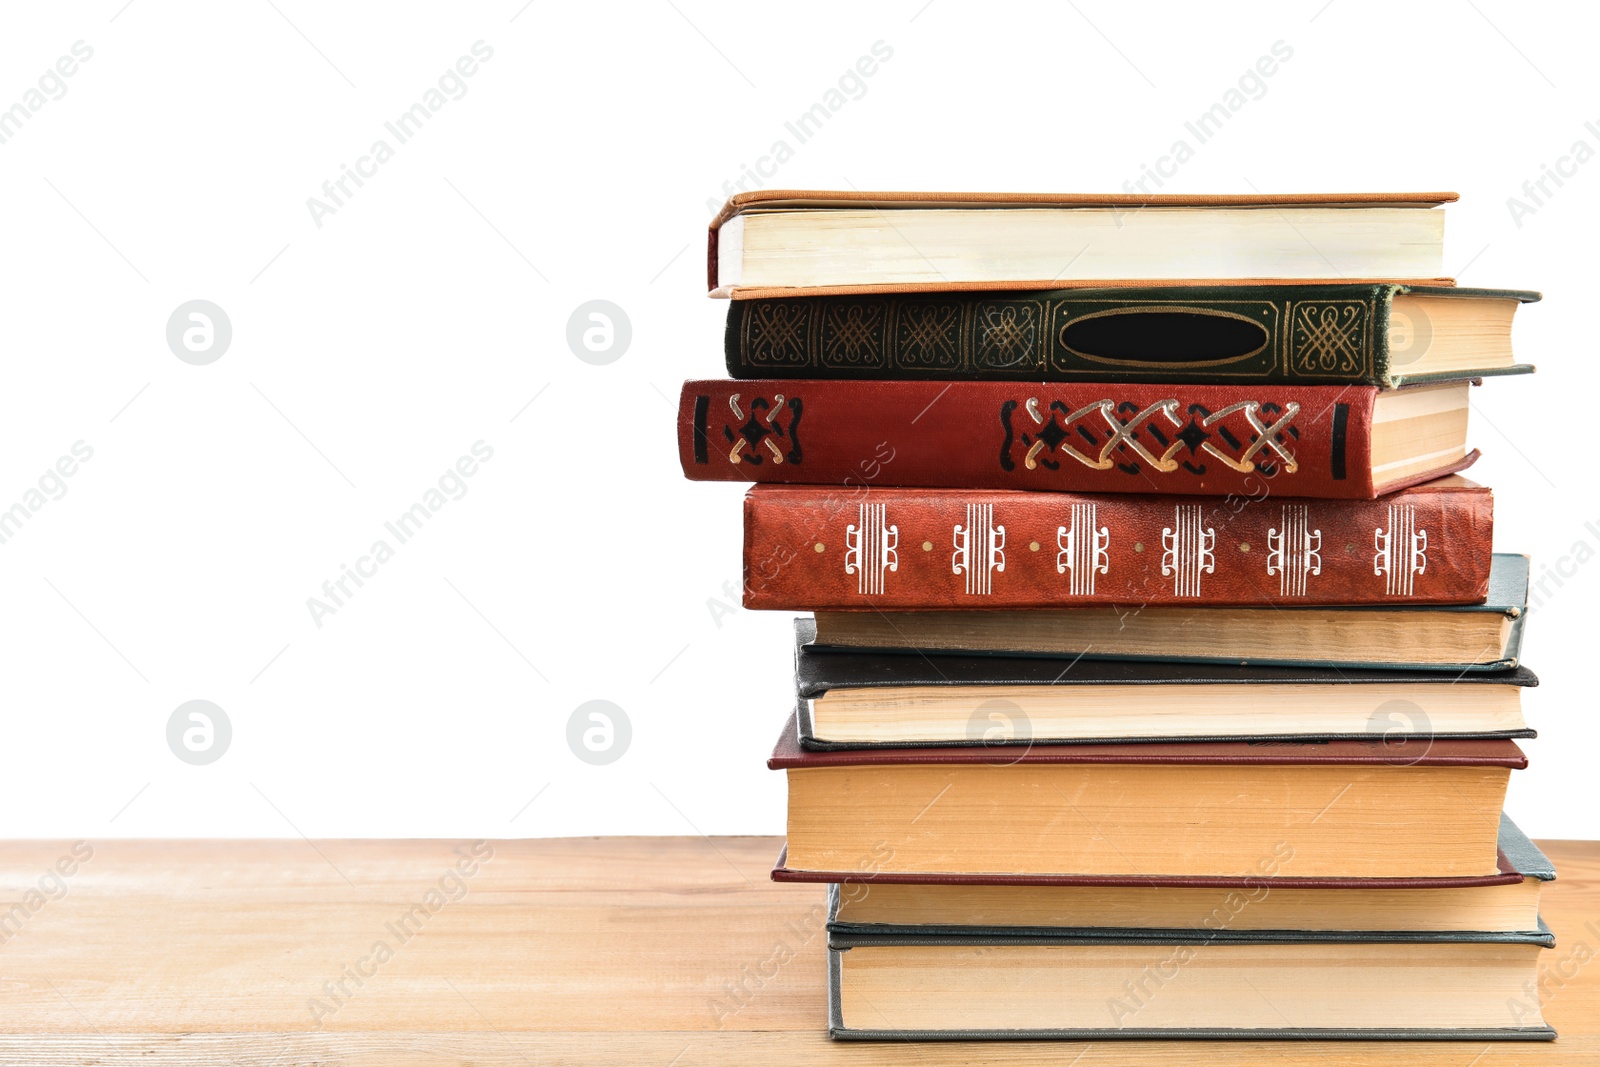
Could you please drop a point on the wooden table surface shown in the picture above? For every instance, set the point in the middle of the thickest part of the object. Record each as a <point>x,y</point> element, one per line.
<point>665,951</point>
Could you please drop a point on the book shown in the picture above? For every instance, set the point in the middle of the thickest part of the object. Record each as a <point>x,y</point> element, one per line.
<point>1454,638</point>
<point>777,239</point>
<point>1516,860</point>
<point>1188,984</point>
<point>1242,440</point>
<point>806,548</point>
<point>1262,902</point>
<point>850,700</point>
<point>1387,334</point>
<point>1343,808</point>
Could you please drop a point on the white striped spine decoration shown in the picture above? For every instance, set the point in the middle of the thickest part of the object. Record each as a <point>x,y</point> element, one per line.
<point>1083,550</point>
<point>1295,551</point>
<point>1188,550</point>
<point>871,546</point>
<point>979,549</point>
<point>1402,551</point>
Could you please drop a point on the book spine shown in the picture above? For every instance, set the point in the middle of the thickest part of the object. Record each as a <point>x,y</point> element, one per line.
<point>1311,334</point>
<point>1215,440</point>
<point>821,549</point>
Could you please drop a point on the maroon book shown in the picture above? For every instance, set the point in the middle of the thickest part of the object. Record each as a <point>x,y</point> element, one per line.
<point>1168,810</point>
<point>1244,441</point>
<point>815,548</point>
<point>1509,873</point>
<point>787,755</point>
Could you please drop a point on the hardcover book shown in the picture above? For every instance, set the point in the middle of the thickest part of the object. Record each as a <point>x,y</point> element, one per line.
<point>1240,440</point>
<point>850,700</point>
<point>1262,902</point>
<point>1187,984</point>
<point>1517,860</point>
<point>1344,808</point>
<point>776,240</point>
<point>1385,335</point>
<point>1454,638</point>
<point>807,549</point>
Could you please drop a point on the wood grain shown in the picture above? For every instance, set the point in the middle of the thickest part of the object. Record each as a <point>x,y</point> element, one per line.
<point>572,951</point>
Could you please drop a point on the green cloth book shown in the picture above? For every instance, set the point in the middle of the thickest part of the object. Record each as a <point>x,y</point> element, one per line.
<point>1188,985</point>
<point>1386,335</point>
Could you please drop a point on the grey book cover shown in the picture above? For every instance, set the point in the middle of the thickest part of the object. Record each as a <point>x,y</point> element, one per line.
<point>818,672</point>
<point>841,1032</point>
<point>1517,852</point>
<point>843,936</point>
<point>1507,596</point>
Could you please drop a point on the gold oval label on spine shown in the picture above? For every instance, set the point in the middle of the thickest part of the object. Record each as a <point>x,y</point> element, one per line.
<point>1266,336</point>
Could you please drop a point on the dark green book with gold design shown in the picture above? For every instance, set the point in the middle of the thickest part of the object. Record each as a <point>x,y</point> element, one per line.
<point>1386,335</point>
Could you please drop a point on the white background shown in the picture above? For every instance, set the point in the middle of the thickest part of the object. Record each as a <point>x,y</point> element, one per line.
<point>429,313</point>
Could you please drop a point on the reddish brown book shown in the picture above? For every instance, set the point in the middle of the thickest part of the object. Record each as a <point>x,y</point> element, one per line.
<point>787,755</point>
<point>1340,809</point>
<point>813,548</point>
<point>1506,873</point>
<point>1243,441</point>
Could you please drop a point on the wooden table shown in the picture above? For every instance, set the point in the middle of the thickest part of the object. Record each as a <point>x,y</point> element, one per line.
<point>617,951</point>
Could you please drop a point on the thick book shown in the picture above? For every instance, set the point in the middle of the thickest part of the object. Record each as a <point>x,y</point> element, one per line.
<point>1517,861</point>
<point>1259,903</point>
<point>1188,984</point>
<point>1241,441</point>
<point>1339,809</point>
<point>1458,638</point>
<point>1386,334</point>
<point>957,549</point>
<point>849,700</point>
<point>780,240</point>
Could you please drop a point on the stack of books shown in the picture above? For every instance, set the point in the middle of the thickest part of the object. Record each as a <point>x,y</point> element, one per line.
<point>1159,677</point>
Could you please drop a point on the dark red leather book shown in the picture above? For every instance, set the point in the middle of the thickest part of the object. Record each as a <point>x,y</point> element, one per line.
<point>1343,809</point>
<point>1508,874</point>
<point>1239,440</point>
<point>787,755</point>
<point>815,548</point>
